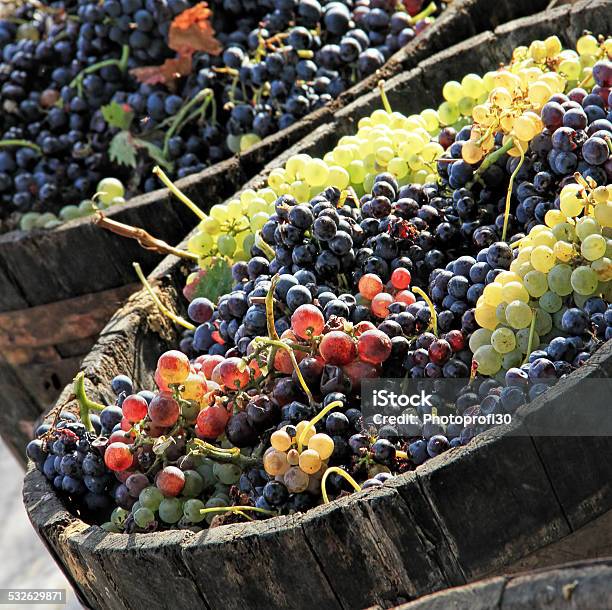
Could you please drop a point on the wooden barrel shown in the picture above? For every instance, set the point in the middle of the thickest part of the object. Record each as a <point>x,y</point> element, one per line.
<point>583,585</point>
<point>80,269</point>
<point>508,500</point>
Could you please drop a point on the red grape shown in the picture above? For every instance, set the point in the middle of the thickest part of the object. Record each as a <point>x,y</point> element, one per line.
<point>361,327</point>
<point>235,373</point>
<point>170,481</point>
<point>307,321</point>
<point>380,304</point>
<point>370,285</point>
<point>374,346</point>
<point>358,370</point>
<point>173,366</point>
<point>211,422</point>
<point>440,351</point>
<point>134,408</point>
<point>209,363</point>
<point>120,436</point>
<point>412,6</point>
<point>456,340</point>
<point>405,296</point>
<point>118,457</point>
<point>282,362</point>
<point>337,348</point>
<point>164,410</point>
<point>400,278</point>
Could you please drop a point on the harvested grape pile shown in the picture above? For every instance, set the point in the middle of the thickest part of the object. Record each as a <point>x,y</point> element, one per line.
<point>468,243</point>
<point>94,89</point>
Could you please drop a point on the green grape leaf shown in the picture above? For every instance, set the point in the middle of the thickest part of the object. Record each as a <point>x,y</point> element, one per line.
<point>211,282</point>
<point>154,151</point>
<point>122,149</point>
<point>118,115</point>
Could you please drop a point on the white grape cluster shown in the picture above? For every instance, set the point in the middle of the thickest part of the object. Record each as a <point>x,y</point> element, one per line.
<point>567,259</point>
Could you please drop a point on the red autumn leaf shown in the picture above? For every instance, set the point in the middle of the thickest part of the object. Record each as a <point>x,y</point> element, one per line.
<point>165,74</point>
<point>192,31</point>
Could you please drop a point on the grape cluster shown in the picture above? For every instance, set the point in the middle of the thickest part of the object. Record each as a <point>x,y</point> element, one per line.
<point>280,61</point>
<point>71,459</point>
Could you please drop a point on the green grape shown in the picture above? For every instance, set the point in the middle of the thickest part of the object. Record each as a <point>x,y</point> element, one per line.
<point>500,313</point>
<point>194,484</point>
<point>205,470</point>
<point>69,212</point>
<point>111,528</point>
<point>300,190</point>
<point>118,516</point>
<point>233,142</point>
<point>117,201</point>
<point>522,340</point>
<point>503,340</point>
<point>473,86</point>
<point>603,268</point>
<point>593,247</point>
<point>108,189</point>
<point>227,474</point>
<point>448,113</point>
<point>543,322</point>
<point>542,258</point>
<point>488,359</point>
<point>564,231</point>
<point>559,279</point>
<point>452,91</point>
<point>584,280</point>
<point>144,517</point>
<point>226,245</point>
<point>248,141</point>
<point>316,172</point>
<point>214,503</point>
<point>249,242</point>
<point>258,221</point>
<point>28,221</point>
<point>170,510</point>
<point>550,302</point>
<point>135,506</point>
<point>200,244</point>
<point>150,497</point>
<point>338,177</point>
<point>536,283</point>
<point>357,171</point>
<point>586,226</point>
<point>518,314</point>
<point>191,510</point>
<point>466,105</point>
<point>43,219</point>
<point>480,337</point>
<point>513,358</point>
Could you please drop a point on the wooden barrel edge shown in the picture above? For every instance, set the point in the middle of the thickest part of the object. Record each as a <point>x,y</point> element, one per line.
<point>581,585</point>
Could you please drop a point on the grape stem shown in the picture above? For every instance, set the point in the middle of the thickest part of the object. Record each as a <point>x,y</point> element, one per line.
<point>430,9</point>
<point>144,238</point>
<point>159,172</point>
<point>314,420</point>
<point>531,334</point>
<point>85,404</point>
<point>22,143</point>
<point>270,309</point>
<point>432,309</point>
<point>178,123</point>
<point>263,246</point>
<point>280,345</point>
<point>343,474</point>
<point>383,96</point>
<point>236,509</point>
<point>121,63</point>
<point>509,193</point>
<point>178,319</point>
<point>492,157</point>
<point>226,456</point>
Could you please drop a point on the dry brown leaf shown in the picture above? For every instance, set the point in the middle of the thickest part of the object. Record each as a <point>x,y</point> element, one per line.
<point>165,74</point>
<point>192,31</point>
